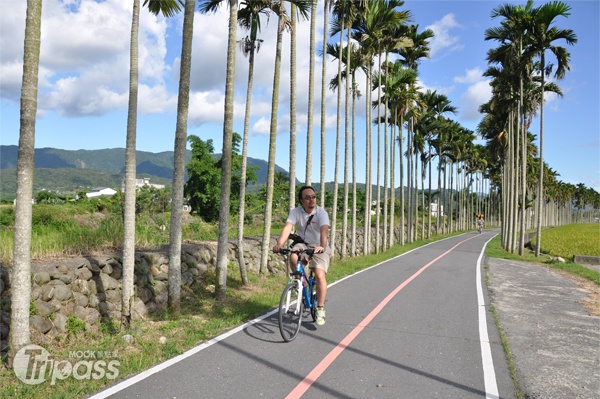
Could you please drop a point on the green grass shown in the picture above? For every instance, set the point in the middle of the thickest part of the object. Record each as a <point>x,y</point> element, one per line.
<point>80,229</point>
<point>568,237</point>
<point>573,239</point>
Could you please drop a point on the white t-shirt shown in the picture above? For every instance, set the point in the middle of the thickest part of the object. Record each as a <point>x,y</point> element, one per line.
<point>311,234</point>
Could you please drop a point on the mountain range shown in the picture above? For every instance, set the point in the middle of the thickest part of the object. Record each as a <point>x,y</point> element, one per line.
<point>68,171</point>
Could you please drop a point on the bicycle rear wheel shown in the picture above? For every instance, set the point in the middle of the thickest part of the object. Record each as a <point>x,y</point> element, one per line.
<point>290,312</point>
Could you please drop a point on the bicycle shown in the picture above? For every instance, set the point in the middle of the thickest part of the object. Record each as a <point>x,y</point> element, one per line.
<point>298,295</point>
<point>479,226</point>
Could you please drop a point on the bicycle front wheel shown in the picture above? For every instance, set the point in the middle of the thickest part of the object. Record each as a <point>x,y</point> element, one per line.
<point>290,312</point>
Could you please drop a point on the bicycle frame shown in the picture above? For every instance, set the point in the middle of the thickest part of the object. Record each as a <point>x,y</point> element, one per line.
<point>298,295</point>
<point>305,284</point>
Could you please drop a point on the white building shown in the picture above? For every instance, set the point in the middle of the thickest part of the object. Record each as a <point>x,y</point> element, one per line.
<point>97,192</point>
<point>433,209</point>
<point>143,182</point>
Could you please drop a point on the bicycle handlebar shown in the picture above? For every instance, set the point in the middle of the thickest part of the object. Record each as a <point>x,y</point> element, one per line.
<point>308,251</point>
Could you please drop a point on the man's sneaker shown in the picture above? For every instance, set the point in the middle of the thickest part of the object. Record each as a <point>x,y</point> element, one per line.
<point>320,316</point>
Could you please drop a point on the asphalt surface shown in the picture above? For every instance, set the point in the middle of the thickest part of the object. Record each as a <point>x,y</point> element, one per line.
<point>424,340</point>
<point>554,341</point>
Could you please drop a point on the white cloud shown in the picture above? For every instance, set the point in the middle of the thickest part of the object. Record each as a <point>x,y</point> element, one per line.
<point>206,107</point>
<point>262,126</point>
<point>477,94</point>
<point>471,76</point>
<point>84,55</point>
<point>156,100</point>
<point>444,39</point>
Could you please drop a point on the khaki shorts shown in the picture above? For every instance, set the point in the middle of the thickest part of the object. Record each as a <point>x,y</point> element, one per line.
<point>319,261</point>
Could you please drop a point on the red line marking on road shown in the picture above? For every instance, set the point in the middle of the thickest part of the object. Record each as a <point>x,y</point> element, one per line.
<point>320,368</point>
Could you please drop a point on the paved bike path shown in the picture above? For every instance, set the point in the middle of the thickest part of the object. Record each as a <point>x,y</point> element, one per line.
<point>407,328</point>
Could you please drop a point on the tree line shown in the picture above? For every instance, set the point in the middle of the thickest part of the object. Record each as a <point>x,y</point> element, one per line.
<point>408,127</point>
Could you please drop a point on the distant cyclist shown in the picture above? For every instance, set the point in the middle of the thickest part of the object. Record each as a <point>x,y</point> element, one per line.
<point>480,222</point>
<point>312,225</point>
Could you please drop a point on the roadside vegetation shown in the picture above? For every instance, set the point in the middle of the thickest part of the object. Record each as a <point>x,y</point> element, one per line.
<point>561,241</point>
<point>570,240</point>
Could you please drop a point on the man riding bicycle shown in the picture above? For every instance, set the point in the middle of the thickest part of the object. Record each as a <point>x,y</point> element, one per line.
<point>312,225</point>
<point>480,222</point>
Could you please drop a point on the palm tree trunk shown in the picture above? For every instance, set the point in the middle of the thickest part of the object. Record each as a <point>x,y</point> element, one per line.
<point>21,270</point>
<point>385,165</point>
<point>346,148</point>
<point>378,205</point>
<point>430,199</point>
<point>311,84</point>
<point>401,158</point>
<point>130,174</point>
<point>292,169</point>
<point>423,170</point>
<point>244,170</point>
<point>353,232</point>
<point>540,209</point>
<point>337,146</point>
<point>179,157</point>
<point>514,187</point>
<point>392,179</point>
<point>416,185</point>
<point>451,207</point>
<point>368,162</point>
<point>409,181</point>
<point>226,155</point>
<point>323,104</point>
<point>523,170</point>
<point>272,148</point>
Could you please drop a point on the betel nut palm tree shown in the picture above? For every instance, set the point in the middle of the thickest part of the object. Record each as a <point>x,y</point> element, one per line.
<point>19,335</point>
<point>283,24</point>
<point>311,96</point>
<point>249,19</point>
<point>511,35</point>
<point>541,38</point>
<point>521,34</point>
<point>327,5</point>
<point>380,19</point>
<point>168,8</point>
<point>357,63</point>
<point>226,153</point>
<point>183,101</point>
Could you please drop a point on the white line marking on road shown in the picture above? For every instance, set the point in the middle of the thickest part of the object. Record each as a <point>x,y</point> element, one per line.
<point>168,363</point>
<point>159,367</point>
<point>489,374</point>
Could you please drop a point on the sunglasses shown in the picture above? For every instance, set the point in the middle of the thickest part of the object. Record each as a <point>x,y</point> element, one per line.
<point>310,197</point>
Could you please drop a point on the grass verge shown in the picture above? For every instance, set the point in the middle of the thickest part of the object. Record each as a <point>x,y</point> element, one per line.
<point>495,250</point>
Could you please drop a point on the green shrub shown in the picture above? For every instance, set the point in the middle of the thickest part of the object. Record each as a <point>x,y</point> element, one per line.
<point>74,325</point>
<point>7,216</point>
<point>33,310</point>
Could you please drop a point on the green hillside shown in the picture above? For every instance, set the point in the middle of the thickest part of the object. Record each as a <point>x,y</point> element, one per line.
<point>65,171</point>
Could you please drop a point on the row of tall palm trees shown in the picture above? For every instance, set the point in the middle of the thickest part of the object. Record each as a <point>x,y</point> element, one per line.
<point>413,129</point>
<point>518,69</point>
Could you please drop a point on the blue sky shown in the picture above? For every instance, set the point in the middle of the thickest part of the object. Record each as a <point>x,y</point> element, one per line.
<point>84,71</point>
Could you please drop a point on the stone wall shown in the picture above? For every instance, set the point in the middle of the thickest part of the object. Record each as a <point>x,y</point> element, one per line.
<point>89,288</point>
